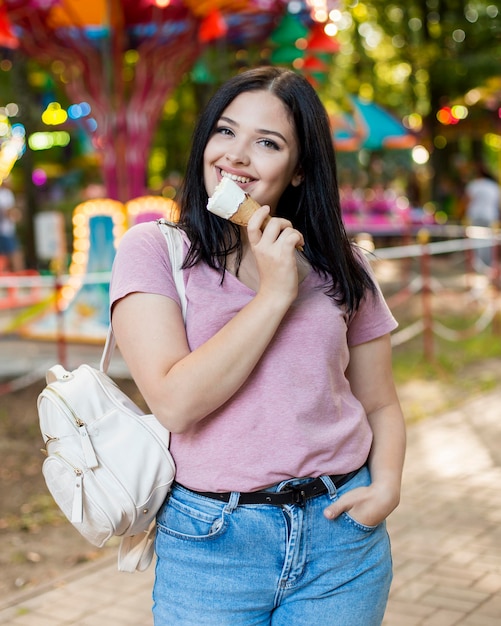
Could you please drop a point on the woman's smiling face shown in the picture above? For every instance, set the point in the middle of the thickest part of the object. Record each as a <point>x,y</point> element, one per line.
<point>255,144</point>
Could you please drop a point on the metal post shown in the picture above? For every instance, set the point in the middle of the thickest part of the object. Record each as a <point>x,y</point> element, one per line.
<point>495,278</point>
<point>60,334</point>
<point>423,238</point>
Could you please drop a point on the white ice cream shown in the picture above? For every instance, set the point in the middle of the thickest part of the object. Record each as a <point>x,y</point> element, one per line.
<point>226,199</point>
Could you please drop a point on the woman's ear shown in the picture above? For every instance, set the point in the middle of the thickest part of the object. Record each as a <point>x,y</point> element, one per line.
<point>297,179</point>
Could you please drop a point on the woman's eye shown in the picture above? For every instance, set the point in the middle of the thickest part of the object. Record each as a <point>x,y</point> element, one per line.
<point>222,130</point>
<point>268,143</point>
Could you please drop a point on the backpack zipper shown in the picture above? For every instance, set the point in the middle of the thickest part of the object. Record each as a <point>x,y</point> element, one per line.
<point>88,450</point>
<point>77,503</point>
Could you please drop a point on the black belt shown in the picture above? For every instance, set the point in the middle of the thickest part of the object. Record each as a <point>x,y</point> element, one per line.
<point>296,494</point>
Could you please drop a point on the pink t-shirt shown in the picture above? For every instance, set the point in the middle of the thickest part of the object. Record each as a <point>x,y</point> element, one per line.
<point>295,416</point>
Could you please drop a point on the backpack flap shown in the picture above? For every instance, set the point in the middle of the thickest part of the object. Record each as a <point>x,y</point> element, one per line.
<point>57,372</point>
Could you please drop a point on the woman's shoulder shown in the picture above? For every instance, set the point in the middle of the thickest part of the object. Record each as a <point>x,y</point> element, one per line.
<point>147,244</point>
<point>145,238</point>
<point>151,231</point>
<point>142,263</point>
<point>142,244</point>
<point>142,232</point>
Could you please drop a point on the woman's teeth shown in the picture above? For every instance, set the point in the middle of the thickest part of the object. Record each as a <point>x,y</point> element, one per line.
<point>237,179</point>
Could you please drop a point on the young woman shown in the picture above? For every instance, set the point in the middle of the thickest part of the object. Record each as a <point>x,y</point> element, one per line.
<point>286,429</point>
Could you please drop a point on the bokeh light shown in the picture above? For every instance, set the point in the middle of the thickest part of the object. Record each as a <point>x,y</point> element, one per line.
<point>39,177</point>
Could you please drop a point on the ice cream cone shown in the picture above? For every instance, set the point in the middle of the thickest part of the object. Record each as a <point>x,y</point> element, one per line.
<point>245,211</point>
<point>232,203</point>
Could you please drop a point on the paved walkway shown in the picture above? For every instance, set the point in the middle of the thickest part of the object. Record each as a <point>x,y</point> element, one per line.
<point>446,534</point>
<point>446,538</point>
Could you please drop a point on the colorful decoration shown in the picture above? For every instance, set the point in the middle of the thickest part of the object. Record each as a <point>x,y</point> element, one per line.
<point>7,37</point>
<point>302,42</point>
<point>12,145</point>
<point>347,138</point>
<point>319,41</point>
<point>289,31</point>
<point>371,127</point>
<point>149,208</point>
<point>82,309</point>
<point>202,8</point>
<point>98,226</point>
<point>213,27</point>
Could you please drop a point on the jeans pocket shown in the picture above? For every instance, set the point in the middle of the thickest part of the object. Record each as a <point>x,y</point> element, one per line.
<point>185,521</point>
<point>353,522</point>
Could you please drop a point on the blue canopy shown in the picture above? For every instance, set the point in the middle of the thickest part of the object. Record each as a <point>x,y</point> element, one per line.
<point>382,129</point>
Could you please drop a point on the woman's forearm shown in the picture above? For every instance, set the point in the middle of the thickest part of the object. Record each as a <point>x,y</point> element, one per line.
<point>183,387</point>
<point>209,376</point>
<point>387,454</point>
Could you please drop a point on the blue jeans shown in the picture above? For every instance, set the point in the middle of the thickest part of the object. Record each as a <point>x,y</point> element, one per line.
<point>220,564</point>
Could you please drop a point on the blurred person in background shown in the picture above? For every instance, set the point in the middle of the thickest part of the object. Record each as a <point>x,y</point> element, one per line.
<point>482,204</point>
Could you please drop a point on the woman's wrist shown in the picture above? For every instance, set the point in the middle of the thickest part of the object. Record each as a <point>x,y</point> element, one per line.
<point>275,302</point>
<point>389,491</point>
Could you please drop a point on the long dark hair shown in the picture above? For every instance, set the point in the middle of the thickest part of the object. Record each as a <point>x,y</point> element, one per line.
<point>313,207</point>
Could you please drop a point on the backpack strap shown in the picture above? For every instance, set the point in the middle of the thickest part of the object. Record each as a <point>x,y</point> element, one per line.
<point>174,241</point>
<point>109,348</point>
<point>136,552</point>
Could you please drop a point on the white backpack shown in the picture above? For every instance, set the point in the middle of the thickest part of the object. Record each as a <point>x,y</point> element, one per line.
<point>108,465</point>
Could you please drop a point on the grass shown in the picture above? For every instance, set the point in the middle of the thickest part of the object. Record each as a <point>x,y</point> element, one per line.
<point>449,357</point>
<point>457,371</point>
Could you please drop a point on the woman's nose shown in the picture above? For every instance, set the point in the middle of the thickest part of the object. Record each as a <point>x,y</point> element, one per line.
<point>238,155</point>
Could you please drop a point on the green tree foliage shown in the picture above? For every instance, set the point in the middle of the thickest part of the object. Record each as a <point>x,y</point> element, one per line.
<point>425,50</point>
<point>418,56</point>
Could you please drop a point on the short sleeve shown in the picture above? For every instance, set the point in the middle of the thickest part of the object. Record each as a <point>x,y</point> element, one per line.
<point>373,318</point>
<point>142,264</point>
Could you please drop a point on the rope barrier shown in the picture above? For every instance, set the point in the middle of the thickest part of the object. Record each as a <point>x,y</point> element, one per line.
<point>457,335</point>
<point>19,289</point>
<point>39,280</point>
<point>25,380</point>
<point>434,247</point>
<point>479,237</point>
<point>412,289</point>
<point>406,334</point>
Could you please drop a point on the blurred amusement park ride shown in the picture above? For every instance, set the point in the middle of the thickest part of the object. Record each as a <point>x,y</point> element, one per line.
<point>125,58</point>
<point>76,304</point>
<point>122,60</point>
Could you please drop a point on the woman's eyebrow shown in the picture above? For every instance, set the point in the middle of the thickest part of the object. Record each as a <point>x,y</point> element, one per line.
<point>264,131</point>
<point>229,120</point>
<point>261,131</point>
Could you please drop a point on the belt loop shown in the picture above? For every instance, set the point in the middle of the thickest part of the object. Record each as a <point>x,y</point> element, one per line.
<point>331,488</point>
<point>232,502</point>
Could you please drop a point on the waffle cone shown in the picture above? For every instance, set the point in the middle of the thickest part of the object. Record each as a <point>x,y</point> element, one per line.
<point>245,211</point>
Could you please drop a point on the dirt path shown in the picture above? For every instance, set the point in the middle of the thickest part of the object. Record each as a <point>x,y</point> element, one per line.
<point>37,544</point>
